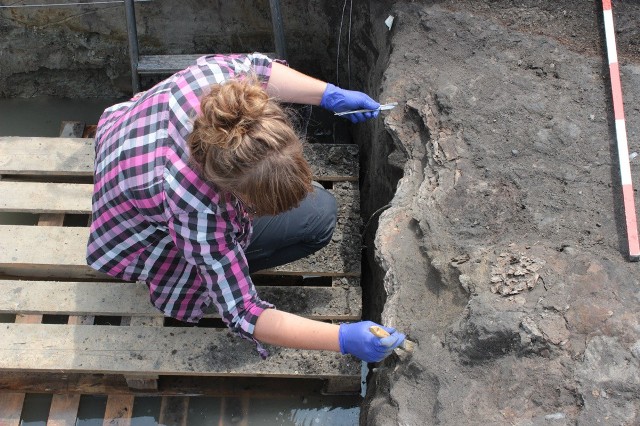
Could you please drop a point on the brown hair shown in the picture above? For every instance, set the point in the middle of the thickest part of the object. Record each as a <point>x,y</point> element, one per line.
<point>244,143</point>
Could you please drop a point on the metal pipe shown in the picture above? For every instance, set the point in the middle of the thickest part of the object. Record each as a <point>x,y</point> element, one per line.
<point>278,30</point>
<point>132,33</point>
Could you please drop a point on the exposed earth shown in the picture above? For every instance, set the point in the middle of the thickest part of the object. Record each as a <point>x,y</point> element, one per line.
<point>504,250</point>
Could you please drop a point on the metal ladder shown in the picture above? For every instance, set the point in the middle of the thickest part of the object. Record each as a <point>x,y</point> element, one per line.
<point>168,64</point>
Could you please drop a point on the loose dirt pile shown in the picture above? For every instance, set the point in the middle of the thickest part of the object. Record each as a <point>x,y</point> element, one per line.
<point>504,250</point>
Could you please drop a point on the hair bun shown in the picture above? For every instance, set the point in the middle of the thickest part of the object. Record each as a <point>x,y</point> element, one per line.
<point>230,110</point>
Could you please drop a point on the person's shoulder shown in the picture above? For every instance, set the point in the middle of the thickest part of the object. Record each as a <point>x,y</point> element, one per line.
<point>187,192</point>
<point>229,65</point>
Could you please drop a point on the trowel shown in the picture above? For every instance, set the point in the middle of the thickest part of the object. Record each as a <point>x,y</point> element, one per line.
<point>383,107</point>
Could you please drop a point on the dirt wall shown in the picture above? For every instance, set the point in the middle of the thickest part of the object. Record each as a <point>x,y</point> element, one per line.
<point>504,249</point>
<point>82,51</point>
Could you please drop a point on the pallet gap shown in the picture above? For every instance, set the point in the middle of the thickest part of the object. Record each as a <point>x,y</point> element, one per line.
<point>82,179</point>
<point>55,319</point>
<point>291,280</point>
<point>203,323</point>
<point>76,220</point>
<point>326,184</point>
<point>107,320</point>
<point>7,318</point>
<point>35,407</point>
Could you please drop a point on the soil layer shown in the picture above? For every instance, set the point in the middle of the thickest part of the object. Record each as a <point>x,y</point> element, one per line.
<point>504,251</point>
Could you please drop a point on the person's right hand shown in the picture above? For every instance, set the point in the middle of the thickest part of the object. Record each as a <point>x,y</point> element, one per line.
<point>340,100</point>
<point>356,339</point>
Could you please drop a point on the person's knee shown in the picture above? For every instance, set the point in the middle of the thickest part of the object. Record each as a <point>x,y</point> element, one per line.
<point>326,210</point>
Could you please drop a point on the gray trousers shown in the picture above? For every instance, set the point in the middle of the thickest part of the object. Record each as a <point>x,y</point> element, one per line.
<point>293,234</point>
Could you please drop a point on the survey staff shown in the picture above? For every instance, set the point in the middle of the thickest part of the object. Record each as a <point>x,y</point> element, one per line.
<point>201,180</point>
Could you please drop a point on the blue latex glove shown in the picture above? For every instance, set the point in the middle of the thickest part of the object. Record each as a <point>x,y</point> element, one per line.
<point>339,100</point>
<point>356,339</point>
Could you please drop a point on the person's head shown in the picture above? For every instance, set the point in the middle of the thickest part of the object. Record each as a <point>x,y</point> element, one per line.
<point>244,143</point>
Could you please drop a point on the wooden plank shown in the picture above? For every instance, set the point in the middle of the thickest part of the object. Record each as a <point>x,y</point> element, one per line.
<point>15,401</point>
<point>119,410</point>
<point>235,410</point>
<point>142,382</point>
<point>28,319</point>
<point>169,64</point>
<point>46,156</point>
<point>61,253</point>
<point>157,350</point>
<point>81,319</point>
<point>165,64</point>
<point>334,162</point>
<point>132,299</point>
<point>11,408</point>
<point>342,385</point>
<point>174,411</point>
<point>51,219</point>
<point>342,257</point>
<point>64,410</point>
<point>74,157</point>
<point>101,384</point>
<point>149,321</point>
<point>45,197</point>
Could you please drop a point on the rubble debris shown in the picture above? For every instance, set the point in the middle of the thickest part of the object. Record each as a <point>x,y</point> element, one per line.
<point>513,274</point>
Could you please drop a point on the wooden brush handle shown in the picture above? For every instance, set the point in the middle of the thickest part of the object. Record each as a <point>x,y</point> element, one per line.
<point>378,331</point>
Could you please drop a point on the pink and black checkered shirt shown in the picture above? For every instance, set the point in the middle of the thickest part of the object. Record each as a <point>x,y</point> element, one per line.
<point>155,220</point>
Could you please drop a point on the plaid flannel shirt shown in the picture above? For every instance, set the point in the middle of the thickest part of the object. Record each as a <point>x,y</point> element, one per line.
<point>155,219</point>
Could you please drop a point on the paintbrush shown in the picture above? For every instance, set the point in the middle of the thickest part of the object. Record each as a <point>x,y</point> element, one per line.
<point>380,332</point>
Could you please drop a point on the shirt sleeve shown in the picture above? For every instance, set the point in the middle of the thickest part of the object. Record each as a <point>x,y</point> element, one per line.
<point>207,242</point>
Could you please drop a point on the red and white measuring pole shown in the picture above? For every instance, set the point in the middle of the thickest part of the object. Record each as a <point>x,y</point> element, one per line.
<point>621,135</point>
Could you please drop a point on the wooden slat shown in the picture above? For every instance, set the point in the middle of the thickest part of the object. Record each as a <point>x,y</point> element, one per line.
<point>119,410</point>
<point>340,258</point>
<point>74,157</point>
<point>45,251</point>
<point>28,319</point>
<point>46,156</point>
<point>234,410</point>
<point>64,410</point>
<point>142,382</point>
<point>39,197</point>
<point>60,252</point>
<point>11,408</point>
<point>333,162</point>
<point>132,299</point>
<point>165,64</point>
<point>174,411</point>
<point>94,384</point>
<point>81,319</point>
<point>157,350</point>
<point>46,197</point>
<point>169,64</point>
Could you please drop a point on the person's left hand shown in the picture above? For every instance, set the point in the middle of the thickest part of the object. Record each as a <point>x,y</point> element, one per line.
<point>339,100</point>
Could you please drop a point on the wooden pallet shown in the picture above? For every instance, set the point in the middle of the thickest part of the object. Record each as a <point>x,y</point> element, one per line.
<point>43,273</point>
<point>117,409</point>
